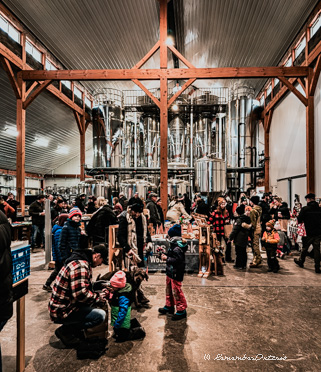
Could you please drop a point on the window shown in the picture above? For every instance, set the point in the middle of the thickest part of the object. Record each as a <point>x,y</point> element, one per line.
<point>276,81</point>
<point>50,66</point>
<point>288,63</point>
<point>87,102</point>
<point>315,26</point>
<point>299,48</point>
<point>262,100</point>
<point>9,29</point>
<point>77,92</point>
<point>31,49</point>
<point>269,90</point>
<point>66,83</point>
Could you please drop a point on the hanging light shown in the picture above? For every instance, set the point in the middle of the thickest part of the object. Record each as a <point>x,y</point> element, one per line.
<point>11,131</point>
<point>41,141</point>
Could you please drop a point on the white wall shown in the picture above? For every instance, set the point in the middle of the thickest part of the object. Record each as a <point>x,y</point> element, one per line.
<point>317,136</point>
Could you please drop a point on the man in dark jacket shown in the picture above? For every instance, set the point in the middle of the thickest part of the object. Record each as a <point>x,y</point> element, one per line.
<point>311,217</point>
<point>152,207</point>
<point>6,296</point>
<point>123,200</point>
<point>99,223</point>
<point>240,235</point>
<point>135,200</point>
<point>80,202</point>
<point>37,214</point>
<point>265,210</point>
<point>201,206</point>
<point>73,298</point>
<point>14,204</point>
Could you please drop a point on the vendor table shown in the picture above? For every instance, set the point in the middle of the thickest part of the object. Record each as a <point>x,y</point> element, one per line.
<point>191,256</point>
<point>21,230</point>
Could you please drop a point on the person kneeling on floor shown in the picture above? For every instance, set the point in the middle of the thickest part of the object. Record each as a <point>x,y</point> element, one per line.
<point>124,328</point>
<point>73,300</point>
<point>175,267</point>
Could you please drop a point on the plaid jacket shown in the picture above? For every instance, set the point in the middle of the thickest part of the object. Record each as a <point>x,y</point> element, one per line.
<point>218,221</point>
<point>72,287</point>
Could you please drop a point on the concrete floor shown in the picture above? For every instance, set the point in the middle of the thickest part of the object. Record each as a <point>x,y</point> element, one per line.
<point>242,314</point>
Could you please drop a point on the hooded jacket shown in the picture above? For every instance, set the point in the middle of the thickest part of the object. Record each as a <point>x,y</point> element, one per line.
<point>255,216</point>
<point>311,216</point>
<point>35,209</point>
<point>6,295</point>
<point>175,262</point>
<point>239,233</point>
<point>73,286</point>
<point>56,232</point>
<point>120,307</point>
<point>176,211</point>
<point>154,215</point>
<point>202,208</point>
<point>100,220</point>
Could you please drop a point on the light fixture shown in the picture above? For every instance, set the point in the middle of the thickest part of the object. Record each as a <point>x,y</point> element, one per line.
<point>62,150</point>
<point>41,141</point>
<point>169,40</point>
<point>175,107</point>
<point>11,131</point>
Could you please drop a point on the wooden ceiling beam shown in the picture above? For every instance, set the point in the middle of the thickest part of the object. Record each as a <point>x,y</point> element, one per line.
<point>31,88</point>
<point>150,95</point>
<point>4,51</point>
<point>180,56</point>
<point>292,88</point>
<point>40,88</point>
<point>13,81</point>
<point>315,77</point>
<point>178,93</point>
<point>156,74</point>
<point>147,56</point>
<point>79,122</point>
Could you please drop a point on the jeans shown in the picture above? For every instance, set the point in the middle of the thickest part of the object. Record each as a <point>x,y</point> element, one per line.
<point>35,231</point>
<point>307,241</point>
<point>2,324</point>
<point>52,277</point>
<point>86,317</point>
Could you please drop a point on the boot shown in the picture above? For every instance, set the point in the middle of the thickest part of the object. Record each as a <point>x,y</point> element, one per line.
<point>298,262</point>
<point>179,315</point>
<point>166,310</point>
<point>66,337</point>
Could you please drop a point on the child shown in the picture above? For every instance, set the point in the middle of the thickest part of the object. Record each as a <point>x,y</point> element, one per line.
<point>70,234</point>
<point>56,255</point>
<point>124,327</point>
<point>282,247</point>
<point>240,235</point>
<point>175,267</point>
<point>270,240</point>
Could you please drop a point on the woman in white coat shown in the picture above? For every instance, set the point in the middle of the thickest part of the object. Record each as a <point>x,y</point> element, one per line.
<point>177,210</point>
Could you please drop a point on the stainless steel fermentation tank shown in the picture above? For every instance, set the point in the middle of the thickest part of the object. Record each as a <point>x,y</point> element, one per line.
<point>95,187</point>
<point>210,175</point>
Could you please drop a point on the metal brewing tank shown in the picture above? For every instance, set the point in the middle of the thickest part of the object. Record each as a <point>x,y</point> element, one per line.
<point>177,186</point>
<point>152,145</point>
<point>210,175</point>
<point>176,141</point>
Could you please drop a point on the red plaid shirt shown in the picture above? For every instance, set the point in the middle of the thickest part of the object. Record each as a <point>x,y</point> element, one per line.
<point>218,221</point>
<point>72,286</point>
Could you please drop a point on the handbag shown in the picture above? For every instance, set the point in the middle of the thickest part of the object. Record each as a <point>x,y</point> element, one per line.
<point>301,229</point>
<point>227,230</point>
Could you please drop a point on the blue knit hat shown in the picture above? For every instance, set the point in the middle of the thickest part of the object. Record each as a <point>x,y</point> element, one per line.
<point>175,230</point>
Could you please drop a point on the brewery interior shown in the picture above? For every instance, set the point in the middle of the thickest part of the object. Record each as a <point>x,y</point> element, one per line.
<point>174,97</point>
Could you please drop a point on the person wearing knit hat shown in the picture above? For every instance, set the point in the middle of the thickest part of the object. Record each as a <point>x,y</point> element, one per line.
<point>70,234</point>
<point>124,327</point>
<point>270,240</point>
<point>256,216</point>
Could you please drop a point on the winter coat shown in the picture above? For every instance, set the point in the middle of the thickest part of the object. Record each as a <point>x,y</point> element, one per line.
<point>283,238</point>
<point>311,216</point>
<point>69,239</point>
<point>99,221</point>
<point>154,215</point>
<point>56,232</point>
<point>176,211</point>
<point>265,212</point>
<point>91,208</point>
<point>241,231</point>
<point>6,295</point>
<point>14,204</point>
<point>117,209</point>
<point>134,200</point>
<point>80,203</point>
<point>161,214</point>
<point>270,239</point>
<point>285,211</point>
<point>73,286</point>
<point>124,202</point>
<point>175,262</point>
<point>218,220</point>
<point>120,307</point>
<point>34,209</point>
<point>202,208</point>
<point>255,217</point>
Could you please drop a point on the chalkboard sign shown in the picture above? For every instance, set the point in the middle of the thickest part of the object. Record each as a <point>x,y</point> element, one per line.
<point>191,256</point>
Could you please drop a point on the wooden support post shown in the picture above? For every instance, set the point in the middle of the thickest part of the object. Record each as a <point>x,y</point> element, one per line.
<point>82,149</point>
<point>163,34</point>
<point>21,146</point>
<point>266,161</point>
<point>163,144</point>
<point>21,360</point>
<point>310,153</point>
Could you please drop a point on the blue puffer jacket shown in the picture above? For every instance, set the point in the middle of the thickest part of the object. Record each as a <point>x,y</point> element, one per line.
<point>69,239</point>
<point>56,231</point>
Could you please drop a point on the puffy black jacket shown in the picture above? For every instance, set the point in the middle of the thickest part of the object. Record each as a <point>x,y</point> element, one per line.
<point>240,234</point>
<point>265,212</point>
<point>202,208</point>
<point>6,298</point>
<point>34,209</point>
<point>100,220</point>
<point>175,262</point>
<point>69,239</point>
<point>311,216</point>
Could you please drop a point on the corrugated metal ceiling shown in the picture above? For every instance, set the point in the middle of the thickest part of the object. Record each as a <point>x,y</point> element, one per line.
<point>114,34</point>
